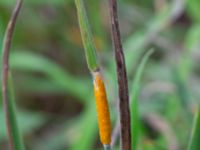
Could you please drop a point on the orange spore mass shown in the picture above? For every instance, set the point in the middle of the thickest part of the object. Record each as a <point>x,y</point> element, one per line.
<point>102,109</point>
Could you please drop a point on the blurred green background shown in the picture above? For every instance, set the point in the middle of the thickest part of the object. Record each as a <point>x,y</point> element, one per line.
<point>53,87</point>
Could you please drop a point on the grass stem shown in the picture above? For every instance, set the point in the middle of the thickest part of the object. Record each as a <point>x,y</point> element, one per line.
<point>15,140</point>
<point>122,79</point>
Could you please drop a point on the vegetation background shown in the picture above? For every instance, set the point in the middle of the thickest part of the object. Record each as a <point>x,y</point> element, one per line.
<point>56,107</point>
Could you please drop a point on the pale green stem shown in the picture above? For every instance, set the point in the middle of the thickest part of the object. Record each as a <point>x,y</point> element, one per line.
<point>86,35</point>
<point>107,147</point>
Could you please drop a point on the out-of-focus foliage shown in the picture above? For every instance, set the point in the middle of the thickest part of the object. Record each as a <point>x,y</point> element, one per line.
<point>56,107</point>
<point>193,7</point>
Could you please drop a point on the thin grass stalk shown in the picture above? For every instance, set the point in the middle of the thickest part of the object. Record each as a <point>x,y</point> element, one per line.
<point>122,79</point>
<point>14,136</point>
<point>99,88</point>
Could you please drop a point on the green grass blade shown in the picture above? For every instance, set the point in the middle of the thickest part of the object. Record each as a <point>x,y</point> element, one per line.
<point>195,138</point>
<point>86,35</point>
<point>14,136</point>
<point>15,133</point>
<point>134,100</point>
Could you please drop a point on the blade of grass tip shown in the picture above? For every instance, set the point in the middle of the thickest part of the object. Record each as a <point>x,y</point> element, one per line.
<point>15,139</point>
<point>99,88</point>
<point>134,100</point>
<point>195,135</point>
<point>86,35</point>
<point>122,79</point>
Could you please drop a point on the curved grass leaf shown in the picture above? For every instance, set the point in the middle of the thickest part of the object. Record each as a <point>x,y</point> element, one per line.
<point>134,100</point>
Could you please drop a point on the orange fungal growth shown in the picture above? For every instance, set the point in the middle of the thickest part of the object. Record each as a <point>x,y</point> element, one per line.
<point>102,109</point>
